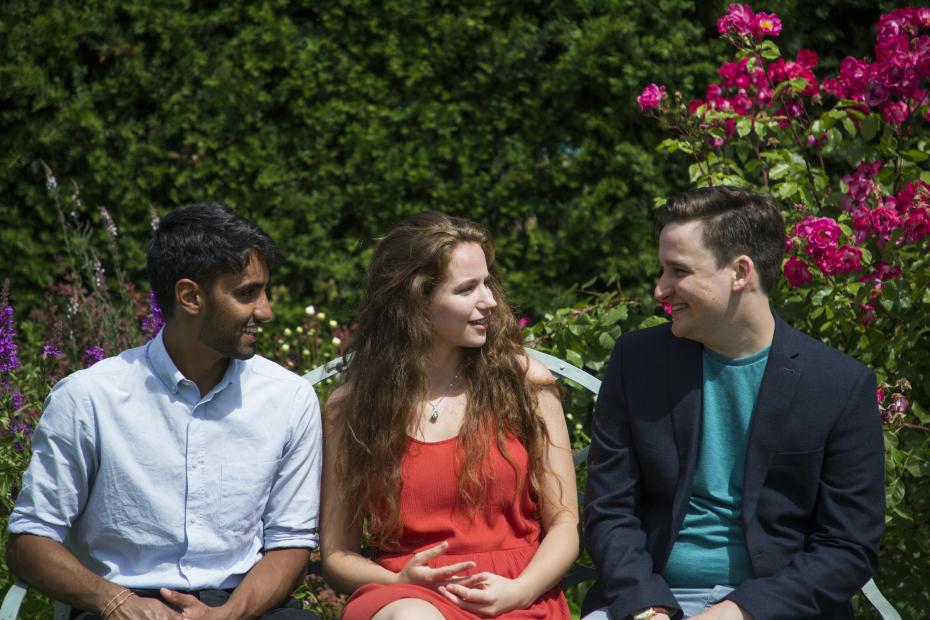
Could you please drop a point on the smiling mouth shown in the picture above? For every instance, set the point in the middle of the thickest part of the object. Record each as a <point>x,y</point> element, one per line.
<point>251,331</point>
<point>481,322</point>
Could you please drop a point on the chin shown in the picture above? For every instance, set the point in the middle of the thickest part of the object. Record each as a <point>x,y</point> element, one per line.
<point>244,354</point>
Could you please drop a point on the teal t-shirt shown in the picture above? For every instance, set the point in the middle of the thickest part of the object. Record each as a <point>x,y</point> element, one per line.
<point>711,548</point>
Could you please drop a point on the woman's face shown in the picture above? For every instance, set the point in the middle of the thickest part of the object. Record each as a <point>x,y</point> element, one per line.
<point>460,307</point>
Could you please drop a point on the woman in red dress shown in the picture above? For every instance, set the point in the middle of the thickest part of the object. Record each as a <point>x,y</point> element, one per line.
<point>446,444</point>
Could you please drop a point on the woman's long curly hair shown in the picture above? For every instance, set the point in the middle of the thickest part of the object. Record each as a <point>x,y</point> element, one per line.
<point>387,383</point>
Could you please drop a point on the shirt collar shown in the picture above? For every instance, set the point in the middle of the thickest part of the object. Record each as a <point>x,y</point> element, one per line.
<point>168,373</point>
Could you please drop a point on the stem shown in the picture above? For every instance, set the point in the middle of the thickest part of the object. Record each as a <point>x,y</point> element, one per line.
<point>765,169</point>
<point>794,133</point>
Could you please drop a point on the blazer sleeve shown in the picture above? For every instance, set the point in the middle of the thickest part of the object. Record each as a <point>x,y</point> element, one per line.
<point>842,549</point>
<point>613,530</point>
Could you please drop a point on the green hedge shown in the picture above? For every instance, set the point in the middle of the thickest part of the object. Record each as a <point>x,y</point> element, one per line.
<point>329,121</point>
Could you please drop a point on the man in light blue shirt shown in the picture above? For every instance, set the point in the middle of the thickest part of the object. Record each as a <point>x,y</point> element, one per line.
<point>180,478</point>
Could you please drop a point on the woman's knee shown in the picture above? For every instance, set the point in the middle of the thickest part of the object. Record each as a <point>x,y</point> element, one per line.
<point>408,609</point>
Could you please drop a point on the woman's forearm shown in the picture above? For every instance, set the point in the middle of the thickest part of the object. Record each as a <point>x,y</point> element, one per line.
<point>557,551</point>
<point>346,571</point>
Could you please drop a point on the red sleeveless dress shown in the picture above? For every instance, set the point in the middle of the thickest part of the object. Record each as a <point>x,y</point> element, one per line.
<point>500,539</point>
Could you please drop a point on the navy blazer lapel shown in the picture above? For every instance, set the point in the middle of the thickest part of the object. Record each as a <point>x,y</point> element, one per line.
<point>776,394</point>
<point>685,403</point>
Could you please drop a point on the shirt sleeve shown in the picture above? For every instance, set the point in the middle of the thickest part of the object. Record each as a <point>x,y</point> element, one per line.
<point>291,517</point>
<point>62,467</point>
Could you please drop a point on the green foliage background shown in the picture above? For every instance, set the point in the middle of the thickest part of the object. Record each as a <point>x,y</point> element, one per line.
<point>329,121</point>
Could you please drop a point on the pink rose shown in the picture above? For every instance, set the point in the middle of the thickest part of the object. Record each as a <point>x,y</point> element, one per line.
<point>651,97</point>
<point>742,104</point>
<point>847,259</point>
<point>823,233</point>
<point>855,73</point>
<point>738,20</point>
<point>917,224</point>
<point>883,272</point>
<point>884,220</point>
<point>796,272</point>
<point>766,25</point>
<point>895,112</point>
<point>807,58</point>
<point>825,259</point>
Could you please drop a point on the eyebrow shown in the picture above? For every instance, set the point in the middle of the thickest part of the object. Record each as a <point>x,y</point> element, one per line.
<point>470,281</point>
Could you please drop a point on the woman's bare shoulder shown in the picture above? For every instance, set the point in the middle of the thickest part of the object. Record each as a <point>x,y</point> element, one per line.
<point>536,371</point>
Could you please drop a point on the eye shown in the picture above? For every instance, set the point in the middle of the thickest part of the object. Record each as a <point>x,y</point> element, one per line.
<point>249,293</point>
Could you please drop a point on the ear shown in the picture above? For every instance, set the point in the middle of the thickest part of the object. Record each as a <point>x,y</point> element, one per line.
<point>743,273</point>
<point>189,297</point>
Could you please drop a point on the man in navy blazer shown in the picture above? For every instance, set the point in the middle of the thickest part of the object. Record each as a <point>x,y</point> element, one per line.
<point>736,465</point>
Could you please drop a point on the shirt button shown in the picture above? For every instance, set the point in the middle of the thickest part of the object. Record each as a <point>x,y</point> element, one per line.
<point>193,465</point>
<point>193,520</point>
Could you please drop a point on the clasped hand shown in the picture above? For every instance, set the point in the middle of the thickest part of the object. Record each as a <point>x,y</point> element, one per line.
<point>418,571</point>
<point>485,594</point>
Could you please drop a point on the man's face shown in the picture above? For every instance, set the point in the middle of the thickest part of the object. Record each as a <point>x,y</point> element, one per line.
<point>236,305</point>
<point>697,290</point>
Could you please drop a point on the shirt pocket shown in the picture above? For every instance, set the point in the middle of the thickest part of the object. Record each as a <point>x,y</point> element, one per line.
<point>244,492</point>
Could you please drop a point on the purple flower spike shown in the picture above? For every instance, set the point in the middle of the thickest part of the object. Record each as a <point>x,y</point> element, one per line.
<point>93,355</point>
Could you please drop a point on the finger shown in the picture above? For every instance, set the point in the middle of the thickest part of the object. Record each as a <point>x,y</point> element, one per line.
<point>472,595</point>
<point>470,581</point>
<point>448,572</point>
<point>449,596</point>
<point>178,598</point>
<point>459,601</point>
<point>433,552</point>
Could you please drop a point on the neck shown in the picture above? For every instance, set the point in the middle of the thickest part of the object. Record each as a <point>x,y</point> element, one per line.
<point>749,333</point>
<point>200,364</point>
<point>443,364</point>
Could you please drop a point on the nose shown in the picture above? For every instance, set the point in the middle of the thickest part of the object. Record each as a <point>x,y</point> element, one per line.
<point>662,290</point>
<point>487,301</point>
<point>262,312</point>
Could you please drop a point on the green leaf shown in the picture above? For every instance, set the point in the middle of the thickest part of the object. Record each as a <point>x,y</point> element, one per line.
<point>574,357</point>
<point>652,321</point>
<point>779,171</point>
<point>787,189</point>
<point>914,155</point>
<point>850,127</point>
<point>869,127</point>
<point>769,50</point>
<point>819,296</point>
<point>743,127</point>
<point>614,315</point>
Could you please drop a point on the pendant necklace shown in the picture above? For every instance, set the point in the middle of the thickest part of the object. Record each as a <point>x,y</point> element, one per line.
<point>435,414</point>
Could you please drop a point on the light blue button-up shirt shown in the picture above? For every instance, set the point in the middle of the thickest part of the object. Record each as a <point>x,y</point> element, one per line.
<point>149,484</point>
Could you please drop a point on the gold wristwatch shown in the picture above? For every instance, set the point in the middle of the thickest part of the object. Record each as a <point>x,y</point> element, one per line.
<point>649,612</point>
